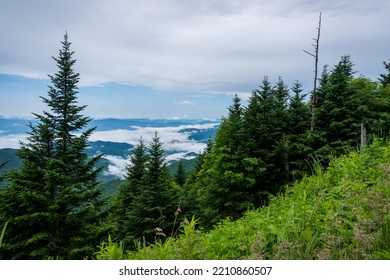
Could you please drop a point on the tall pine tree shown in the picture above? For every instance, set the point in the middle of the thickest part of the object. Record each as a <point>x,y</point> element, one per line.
<point>121,210</point>
<point>384,79</point>
<point>52,202</point>
<point>155,204</point>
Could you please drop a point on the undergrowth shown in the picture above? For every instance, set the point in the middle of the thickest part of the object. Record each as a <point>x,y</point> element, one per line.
<point>340,213</point>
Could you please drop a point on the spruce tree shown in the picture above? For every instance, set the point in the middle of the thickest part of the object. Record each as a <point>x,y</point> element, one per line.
<point>384,79</point>
<point>224,183</point>
<point>53,200</point>
<point>189,197</point>
<point>338,125</point>
<point>265,123</point>
<point>298,125</point>
<point>123,222</point>
<point>180,175</point>
<point>154,206</point>
<point>1,167</point>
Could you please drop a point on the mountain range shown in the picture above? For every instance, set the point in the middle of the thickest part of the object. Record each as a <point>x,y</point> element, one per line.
<point>116,138</point>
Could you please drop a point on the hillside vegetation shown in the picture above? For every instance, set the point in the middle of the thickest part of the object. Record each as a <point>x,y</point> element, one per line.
<point>340,213</point>
<point>249,191</point>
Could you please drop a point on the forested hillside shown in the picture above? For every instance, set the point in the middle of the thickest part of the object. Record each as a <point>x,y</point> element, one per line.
<point>340,213</point>
<point>248,195</point>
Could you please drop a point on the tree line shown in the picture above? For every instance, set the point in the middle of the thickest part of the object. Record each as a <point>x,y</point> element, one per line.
<point>52,204</point>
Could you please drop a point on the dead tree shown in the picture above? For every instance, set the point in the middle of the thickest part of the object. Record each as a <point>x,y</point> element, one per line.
<point>315,55</point>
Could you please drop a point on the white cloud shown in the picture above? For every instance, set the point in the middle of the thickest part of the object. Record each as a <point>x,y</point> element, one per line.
<point>192,46</point>
<point>12,140</point>
<point>199,45</point>
<point>117,166</point>
<point>186,102</point>
<point>172,139</point>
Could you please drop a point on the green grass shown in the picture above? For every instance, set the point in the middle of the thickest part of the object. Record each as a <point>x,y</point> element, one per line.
<point>340,213</point>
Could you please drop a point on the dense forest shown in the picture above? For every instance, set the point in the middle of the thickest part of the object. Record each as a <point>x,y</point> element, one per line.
<point>289,175</point>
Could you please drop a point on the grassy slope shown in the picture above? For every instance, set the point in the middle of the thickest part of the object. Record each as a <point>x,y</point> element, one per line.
<point>342,213</point>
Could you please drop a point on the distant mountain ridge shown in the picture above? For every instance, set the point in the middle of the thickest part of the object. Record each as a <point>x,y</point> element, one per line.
<point>116,138</point>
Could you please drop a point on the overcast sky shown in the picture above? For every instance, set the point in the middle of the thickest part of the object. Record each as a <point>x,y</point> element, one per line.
<point>180,58</point>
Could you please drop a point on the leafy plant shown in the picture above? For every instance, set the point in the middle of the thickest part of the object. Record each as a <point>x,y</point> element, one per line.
<point>109,250</point>
<point>339,213</point>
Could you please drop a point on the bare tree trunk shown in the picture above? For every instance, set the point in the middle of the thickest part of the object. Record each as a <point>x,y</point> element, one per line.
<point>315,55</point>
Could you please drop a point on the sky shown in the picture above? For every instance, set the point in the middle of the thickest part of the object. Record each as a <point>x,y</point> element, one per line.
<point>180,58</point>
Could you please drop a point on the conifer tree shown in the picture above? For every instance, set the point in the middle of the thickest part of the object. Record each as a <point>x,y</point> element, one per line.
<point>224,183</point>
<point>189,198</point>
<point>180,175</point>
<point>265,122</point>
<point>297,126</point>
<point>385,78</point>
<point>128,191</point>
<point>338,126</point>
<point>53,200</point>
<point>154,206</point>
<point>1,167</point>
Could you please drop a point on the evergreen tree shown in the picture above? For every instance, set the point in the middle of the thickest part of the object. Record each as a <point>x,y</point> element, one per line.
<point>374,107</point>
<point>224,183</point>
<point>297,127</point>
<point>189,198</point>
<point>154,207</point>
<point>385,78</point>
<point>180,175</point>
<point>124,201</point>
<point>265,122</point>
<point>53,200</point>
<point>1,167</point>
<point>338,124</point>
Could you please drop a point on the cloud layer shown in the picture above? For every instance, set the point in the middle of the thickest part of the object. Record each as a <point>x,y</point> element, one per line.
<point>177,142</point>
<point>171,56</point>
<point>201,45</point>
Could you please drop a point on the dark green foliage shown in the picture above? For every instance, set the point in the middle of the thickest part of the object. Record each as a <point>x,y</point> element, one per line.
<point>265,123</point>
<point>147,201</point>
<point>180,175</point>
<point>335,120</point>
<point>298,122</point>
<point>123,222</point>
<point>250,158</point>
<point>385,78</point>
<point>189,198</point>
<point>345,104</point>
<point>51,205</point>
<point>225,182</point>
<point>1,167</point>
<point>338,214</point>
<point>157,202</point>
<point>52,202</point>
<point>260,148</point>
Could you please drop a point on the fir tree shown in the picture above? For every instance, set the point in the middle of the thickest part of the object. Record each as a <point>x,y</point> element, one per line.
<point>384,79</point>
<point>154,206</point>
<point>124,201</point>
<point>1,167</point>
<point>297,126</point>
<point>53,200</point>
<point>180,175</point>
<point>224,183</point>
<point>265,123</point>
<point>189,198</point>
<point>338,125</point>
